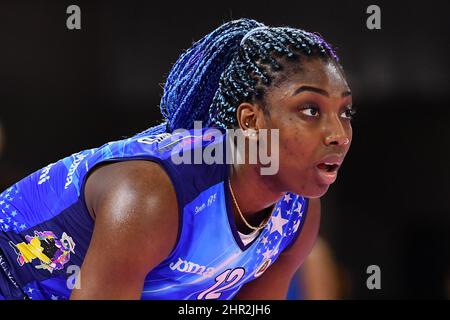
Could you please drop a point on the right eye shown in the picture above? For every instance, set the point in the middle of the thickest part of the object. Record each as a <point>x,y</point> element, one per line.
<point>310,110</point>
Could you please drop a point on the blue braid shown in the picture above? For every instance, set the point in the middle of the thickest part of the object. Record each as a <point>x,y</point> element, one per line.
<point>210,79</point>
<point>257,64</point>
<point>194,79</point>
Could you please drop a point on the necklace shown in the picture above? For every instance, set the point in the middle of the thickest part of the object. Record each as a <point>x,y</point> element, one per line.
<point>263,223</point>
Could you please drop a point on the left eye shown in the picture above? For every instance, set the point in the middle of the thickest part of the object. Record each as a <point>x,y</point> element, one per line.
<point>349,114</point>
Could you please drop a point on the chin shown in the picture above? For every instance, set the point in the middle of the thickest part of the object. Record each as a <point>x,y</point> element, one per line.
<point>313,193</point>
<point>310,188</point>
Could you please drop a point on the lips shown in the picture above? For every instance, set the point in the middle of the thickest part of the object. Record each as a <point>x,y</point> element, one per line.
<point>327,168</point>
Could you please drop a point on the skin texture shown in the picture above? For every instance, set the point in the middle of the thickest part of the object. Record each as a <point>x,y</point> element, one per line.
<point>125,204</point>
<point>127,199</point>
<point>304,139</point>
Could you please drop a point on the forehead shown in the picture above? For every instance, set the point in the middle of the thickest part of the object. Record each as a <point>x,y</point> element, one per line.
<point>326,75</point>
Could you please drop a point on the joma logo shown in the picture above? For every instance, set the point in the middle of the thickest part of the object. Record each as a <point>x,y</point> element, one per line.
<point>191,267</point>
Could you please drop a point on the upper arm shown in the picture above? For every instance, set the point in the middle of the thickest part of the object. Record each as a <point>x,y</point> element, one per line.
<point>274,282</point>
<point>136,226</point>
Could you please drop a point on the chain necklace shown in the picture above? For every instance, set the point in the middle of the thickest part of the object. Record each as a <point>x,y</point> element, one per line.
<point>263,223</point>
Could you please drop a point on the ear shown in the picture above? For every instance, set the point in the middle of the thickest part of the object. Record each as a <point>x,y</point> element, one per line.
<point>250,116</point>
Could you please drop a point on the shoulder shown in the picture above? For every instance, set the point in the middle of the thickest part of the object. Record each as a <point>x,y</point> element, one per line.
<point>137,199</point>
<point>136,227</point>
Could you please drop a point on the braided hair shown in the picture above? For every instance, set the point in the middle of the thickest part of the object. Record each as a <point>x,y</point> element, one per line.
<point>235,63</point>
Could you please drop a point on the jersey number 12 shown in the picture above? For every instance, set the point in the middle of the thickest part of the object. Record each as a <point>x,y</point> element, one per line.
<point>225,280</point>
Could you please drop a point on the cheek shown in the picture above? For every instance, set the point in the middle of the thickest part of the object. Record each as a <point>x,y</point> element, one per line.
<point>296,149</point>
<point>298,141</point>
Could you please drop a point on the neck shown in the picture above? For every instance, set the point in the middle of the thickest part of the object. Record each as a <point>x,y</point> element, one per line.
<point>253,192</point>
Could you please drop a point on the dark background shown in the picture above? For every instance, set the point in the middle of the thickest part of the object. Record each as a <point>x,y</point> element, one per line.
<point>63,91</point>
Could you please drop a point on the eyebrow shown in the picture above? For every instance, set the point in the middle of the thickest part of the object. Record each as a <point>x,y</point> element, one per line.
<point>318,90</point>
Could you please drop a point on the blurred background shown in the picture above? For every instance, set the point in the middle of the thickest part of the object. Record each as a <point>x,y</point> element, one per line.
<point>64,91</point>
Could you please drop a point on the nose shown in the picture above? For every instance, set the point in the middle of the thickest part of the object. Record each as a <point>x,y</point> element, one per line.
<point>336,133</point>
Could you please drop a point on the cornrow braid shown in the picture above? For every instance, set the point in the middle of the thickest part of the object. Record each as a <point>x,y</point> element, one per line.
<point>234,63</point>
<point>194,78</point>
<point>255,65</point>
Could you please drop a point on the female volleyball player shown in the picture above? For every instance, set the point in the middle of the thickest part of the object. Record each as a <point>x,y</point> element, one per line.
<point>124,221</point>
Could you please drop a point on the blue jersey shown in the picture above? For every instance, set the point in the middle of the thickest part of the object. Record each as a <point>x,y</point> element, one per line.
<point>46,227</point>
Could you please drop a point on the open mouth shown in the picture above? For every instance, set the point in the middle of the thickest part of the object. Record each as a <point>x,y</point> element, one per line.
<point>328,167</point>
<point>327,172</point>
